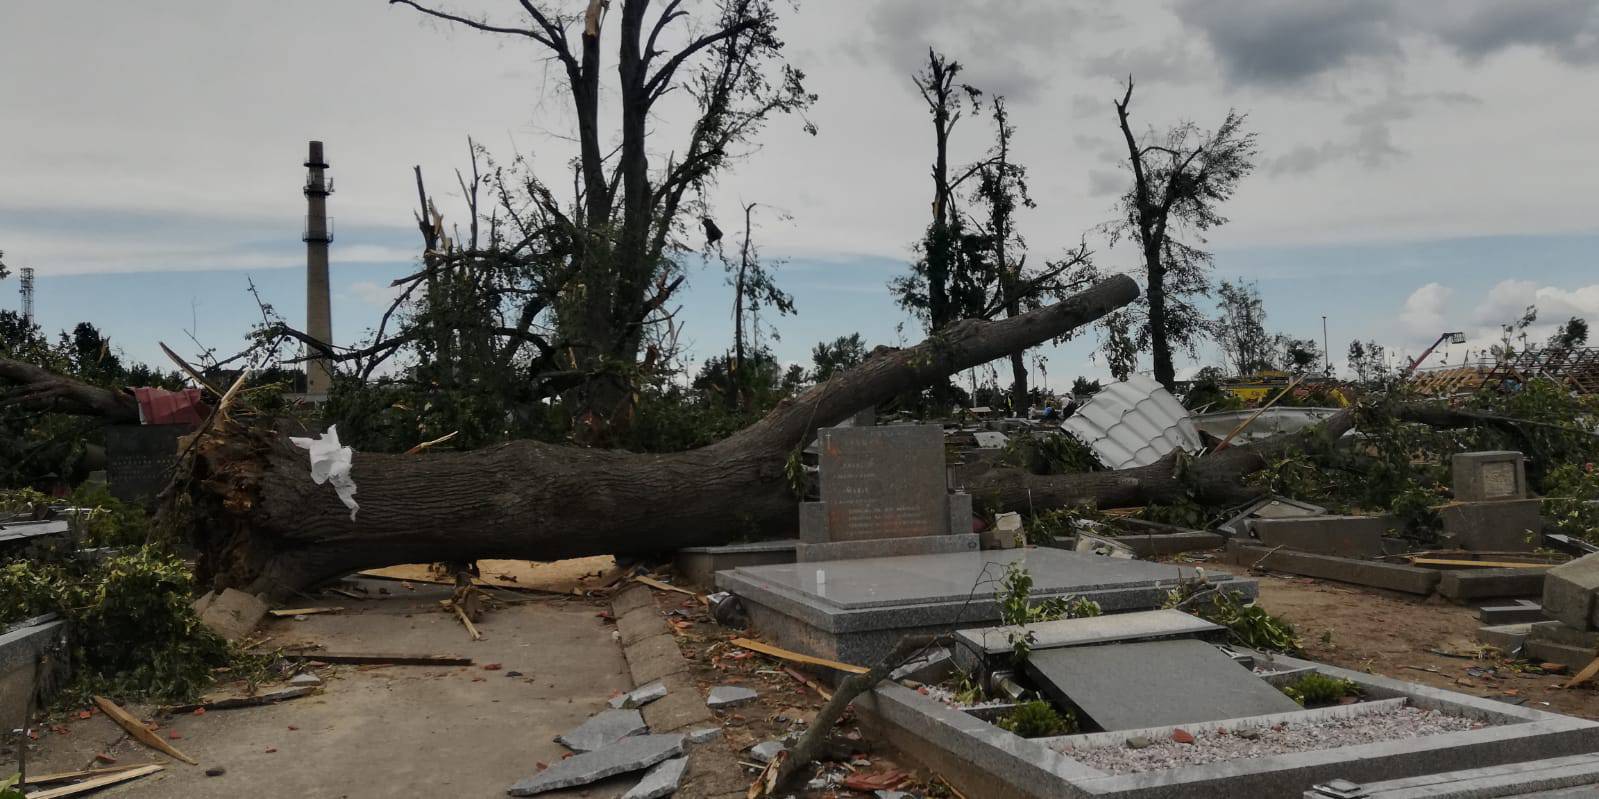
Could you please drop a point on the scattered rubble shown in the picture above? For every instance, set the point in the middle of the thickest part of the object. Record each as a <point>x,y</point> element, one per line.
<point>627,755</point>
<point>726,696</point>
<point>602,730</point>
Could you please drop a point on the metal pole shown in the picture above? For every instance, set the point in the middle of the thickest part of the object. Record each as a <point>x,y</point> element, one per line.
<point>1326,348</point>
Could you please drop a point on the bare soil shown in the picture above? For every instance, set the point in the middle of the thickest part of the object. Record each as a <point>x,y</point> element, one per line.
<point>1400,636</point>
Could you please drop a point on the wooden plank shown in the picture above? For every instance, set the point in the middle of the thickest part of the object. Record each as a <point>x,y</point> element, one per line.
<point>64,776</point>
<point>136,728</point>
<point>784,654</point>
<point>97,783</point>
<point>291,612</point>
<point>1479,564</point>
<point>1585,675</point>
<point>364,659</point>
<point>470,627</point>
<point>660,586</point>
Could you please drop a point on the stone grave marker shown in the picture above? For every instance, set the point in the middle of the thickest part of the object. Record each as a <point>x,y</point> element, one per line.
<point>884,493</point>
<point>139,459</point>
<point>1488,476</point>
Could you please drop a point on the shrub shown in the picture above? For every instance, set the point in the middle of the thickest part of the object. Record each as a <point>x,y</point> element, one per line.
<point>1037,719</point>
<point>1316,689</point>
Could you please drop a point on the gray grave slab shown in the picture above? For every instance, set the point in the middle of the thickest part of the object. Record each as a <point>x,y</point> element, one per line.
<point>629,754</point>
<point>1155,683</point>
<point>881,582</point>
<point>1142,625</point>
<point>883,482</point>
<point>603,729</point>
<point>659,781</point>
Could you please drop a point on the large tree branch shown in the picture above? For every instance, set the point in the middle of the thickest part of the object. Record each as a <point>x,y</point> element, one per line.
<point>47,392</point>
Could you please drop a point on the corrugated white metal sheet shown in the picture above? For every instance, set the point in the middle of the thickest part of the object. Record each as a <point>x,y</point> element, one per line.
<point>1133,423</point>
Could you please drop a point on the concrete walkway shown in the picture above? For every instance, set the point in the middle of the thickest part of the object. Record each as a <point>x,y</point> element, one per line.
<point>396,730</point>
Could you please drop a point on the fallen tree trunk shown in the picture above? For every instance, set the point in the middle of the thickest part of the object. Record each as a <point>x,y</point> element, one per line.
<point>261,524</point>
<point>264,526</point>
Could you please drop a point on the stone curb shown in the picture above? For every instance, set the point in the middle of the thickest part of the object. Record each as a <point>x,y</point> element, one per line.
<point>655,656</point>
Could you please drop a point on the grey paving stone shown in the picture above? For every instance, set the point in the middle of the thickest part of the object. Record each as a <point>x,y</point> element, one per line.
<point>631,598</point>
<point>765,751</point>
<point>659,781</point>
<point>640,696</point>
<point>680,710</point>
<point>703,734</point>
<point>1154,683</point>
<point>639,624</point>
<point>602,730</point>
<point>724,696</point>
<point>653,658</point>
<point>628,754</point>
<point>305,678</point>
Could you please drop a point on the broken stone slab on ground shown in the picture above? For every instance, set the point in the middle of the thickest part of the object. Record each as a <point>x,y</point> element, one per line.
<point>725,696</point>
<point>1154,683</point>
<point>995,642</point>
<point>1522,611</point>
<point>640,696</point>
<point>629,754</point>
<point>659,781</point>
<point>232,614</point>
<point>1568,592</point>
<point>602,730</point>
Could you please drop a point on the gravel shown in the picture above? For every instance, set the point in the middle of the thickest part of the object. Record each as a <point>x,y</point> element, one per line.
<point>1212,747</point>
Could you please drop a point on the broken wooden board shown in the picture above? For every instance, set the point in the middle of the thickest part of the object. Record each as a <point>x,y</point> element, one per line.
<point>660,586</point>
<point>141,733</point>
<point>1452,563</point>
<point>292,612</point>
<point>374,659</point>
<point>67,776</point>
<point>784,654</point>
<point>97,782</point>
<point>1585,675</point>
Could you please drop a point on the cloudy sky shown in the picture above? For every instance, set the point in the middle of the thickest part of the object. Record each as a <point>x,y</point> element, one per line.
<point>1424,165</point>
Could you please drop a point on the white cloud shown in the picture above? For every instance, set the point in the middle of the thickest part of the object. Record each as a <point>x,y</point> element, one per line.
<point>1424,311</point>
<point>377,295</point>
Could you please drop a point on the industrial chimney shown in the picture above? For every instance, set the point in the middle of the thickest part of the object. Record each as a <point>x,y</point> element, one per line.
<point>318,235</point>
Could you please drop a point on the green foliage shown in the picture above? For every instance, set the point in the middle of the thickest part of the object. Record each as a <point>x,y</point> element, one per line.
<point>134,634</point>
<point>1419,521</point>
<point>105,521</point>
<point>1037,719</point>
<point>1205,391</point>
<point>1044,527</point>
<point>1247,622</point>
<point>1016,608</point>
<point>8,786</point>
<point>831,357</point>
<point>1183,513</point>
<point>1049,453</point>
<point>1572,490</point>
<point>1318,690</point>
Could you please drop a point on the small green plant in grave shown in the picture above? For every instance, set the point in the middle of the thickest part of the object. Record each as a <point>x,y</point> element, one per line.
<point>1016,608</point>
<point>1318,690</point>
<point>1037,719</point>
<point>9,789</point>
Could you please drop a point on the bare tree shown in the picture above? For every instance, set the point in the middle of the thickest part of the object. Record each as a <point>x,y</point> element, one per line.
<point>623,223</point>
<point>1179,180</point>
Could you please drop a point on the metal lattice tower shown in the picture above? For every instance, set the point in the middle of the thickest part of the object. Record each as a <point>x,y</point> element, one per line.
<point>27,293</point>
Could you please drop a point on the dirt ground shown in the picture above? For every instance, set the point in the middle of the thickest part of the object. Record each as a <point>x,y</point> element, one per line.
<point>1399,636</point>
<point>387,731</point>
